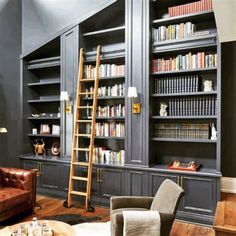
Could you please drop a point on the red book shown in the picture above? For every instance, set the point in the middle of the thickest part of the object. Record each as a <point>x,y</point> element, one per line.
<point>210,4</point>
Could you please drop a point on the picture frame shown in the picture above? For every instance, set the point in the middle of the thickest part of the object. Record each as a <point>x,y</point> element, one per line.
<point>55,129</point>
<point>45,129</point>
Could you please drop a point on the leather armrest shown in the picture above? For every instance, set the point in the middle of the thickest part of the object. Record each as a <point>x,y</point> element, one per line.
<point>19,178</point>
<point>130,201</point>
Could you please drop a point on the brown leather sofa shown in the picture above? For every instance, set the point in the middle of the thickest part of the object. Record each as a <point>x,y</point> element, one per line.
<point>17,191</point>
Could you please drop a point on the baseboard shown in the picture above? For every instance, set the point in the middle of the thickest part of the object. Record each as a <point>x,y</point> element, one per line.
<point>228,185</point>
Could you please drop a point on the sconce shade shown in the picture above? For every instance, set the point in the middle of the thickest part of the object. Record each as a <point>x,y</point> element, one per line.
<point>64,96</point>
<point>3,130</point>
<point>132,92</point>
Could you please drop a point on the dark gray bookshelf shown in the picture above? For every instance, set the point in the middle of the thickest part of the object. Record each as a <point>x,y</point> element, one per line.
<point>183,140</point>
<point>183,117</point>
<point>45,83</point>
<point>44,135</point>
<point>105,31</point>
<point>44,100</point>
<point>183,94</point>
<point>44,63</point>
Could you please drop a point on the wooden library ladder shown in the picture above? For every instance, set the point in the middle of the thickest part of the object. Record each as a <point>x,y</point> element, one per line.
<point>78,123</point>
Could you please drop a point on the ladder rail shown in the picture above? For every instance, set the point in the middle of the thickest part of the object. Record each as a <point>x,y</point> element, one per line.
<point>76,126</point>
<point>94,110</point>
<point>76,135</point>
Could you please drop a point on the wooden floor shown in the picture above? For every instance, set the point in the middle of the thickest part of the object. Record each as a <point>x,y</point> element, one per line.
<point>53,206</point>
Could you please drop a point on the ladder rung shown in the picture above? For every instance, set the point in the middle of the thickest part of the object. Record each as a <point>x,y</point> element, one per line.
<point>84,121</point>
<point>82,149</point>
<point>85,107</point>
<point>79,178</point>
<point>87,80</point>
<point>79,163</point>
<point>78,193</point>
<point>86,93</point>
<point>83,135</point>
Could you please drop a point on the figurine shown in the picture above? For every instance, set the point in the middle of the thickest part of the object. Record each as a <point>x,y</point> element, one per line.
<point>208,86</point>
<point>213,132</point>
<point>163,109</point>
<point>39,147</point>
<point>176,163</point>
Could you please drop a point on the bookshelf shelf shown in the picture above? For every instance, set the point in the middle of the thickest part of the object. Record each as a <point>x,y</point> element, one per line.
<point>44,100</point>
<point>53,82</point>
<point>115,78</point>
<point>44,135</point>
<point>184,140</point>
<point>44,118</point>
<point>107,98</point>
<point>199,17</point>
<point>193,43</point>
<point>200,70</point>
<point>110,118</point>
<point>182,117</point>
<point>105,31</point>
<point>184,94</point>
<point>44,63</point>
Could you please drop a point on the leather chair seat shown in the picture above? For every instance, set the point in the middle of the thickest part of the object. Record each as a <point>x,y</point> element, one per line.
<point>11,197</point>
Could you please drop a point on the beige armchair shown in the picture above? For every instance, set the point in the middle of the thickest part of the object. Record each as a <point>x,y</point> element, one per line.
<point>166,201</point>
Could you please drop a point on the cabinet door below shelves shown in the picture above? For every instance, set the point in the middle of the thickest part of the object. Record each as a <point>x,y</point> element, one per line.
<point>200,194</point>
<point>155,180</point>
<point>136,183</point>
<point>64,177</point>
<point>50,175</point>
<point>111,182</point>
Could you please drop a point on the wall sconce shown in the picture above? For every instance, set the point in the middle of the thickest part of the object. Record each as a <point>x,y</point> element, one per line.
<point>66,99</point>
<point>132,93</point>
<point>3,130</point>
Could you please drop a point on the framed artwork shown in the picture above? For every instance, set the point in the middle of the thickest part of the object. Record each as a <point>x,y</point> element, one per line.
<point>45,129</point>
<point>55,129</point>
<point>55,149</point>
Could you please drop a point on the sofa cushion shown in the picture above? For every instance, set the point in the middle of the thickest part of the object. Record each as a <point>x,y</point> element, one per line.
<point>10,197</point>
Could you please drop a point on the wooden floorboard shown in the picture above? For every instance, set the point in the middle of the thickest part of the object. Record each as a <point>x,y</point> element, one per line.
<point>53,206</point>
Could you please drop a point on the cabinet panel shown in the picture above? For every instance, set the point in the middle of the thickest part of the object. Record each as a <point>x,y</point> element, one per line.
<point>156,179</point>
<point>69,68</point>
<point>29,165</point>
<point>50,175</point>
<point>111,182</point>
<point>64,176</point>
<point>199,194</point>
<point>136,183</point>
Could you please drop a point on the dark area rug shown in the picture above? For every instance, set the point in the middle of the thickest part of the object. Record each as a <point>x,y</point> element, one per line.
<point>71,219</point>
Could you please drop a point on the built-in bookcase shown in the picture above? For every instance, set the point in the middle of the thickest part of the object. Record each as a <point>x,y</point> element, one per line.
<point>185,55</point>
<point>41,109</point>
<point>110,124</point>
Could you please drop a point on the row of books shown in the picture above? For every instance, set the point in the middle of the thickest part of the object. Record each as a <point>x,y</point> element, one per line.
<point>105,70</point>
<point>111,111</point>
<point>203,106</point>
<point>182,131</point>
<point>185,62</point>
<point>179,84</point>
<point>172,32</point>
<point>199,6</point>
<point>109,91</point>
<point>105,129</point>
<point>106,156</point>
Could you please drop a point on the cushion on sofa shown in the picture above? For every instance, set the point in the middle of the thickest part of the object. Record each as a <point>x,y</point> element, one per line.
<point>10,197</point>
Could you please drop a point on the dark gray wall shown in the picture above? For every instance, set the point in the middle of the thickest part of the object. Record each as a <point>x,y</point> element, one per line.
<point>228,155</point>
<point>43,18</point>
<point>10,49</point>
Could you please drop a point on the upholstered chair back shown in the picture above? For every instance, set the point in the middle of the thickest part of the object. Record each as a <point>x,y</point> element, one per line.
<point>167,197</point>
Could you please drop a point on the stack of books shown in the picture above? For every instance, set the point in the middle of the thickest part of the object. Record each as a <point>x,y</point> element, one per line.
<point>111,111</point>
<point>182,131</point>
<point>194,7</point>
<point>179,84</point>
<point>185,62</point>
<point>204,106</point>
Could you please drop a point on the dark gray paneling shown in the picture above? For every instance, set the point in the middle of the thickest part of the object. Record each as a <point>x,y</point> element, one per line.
<point>42,18</point>
<point>69,71</point>
<point>137,52</point>
<point>228,117</point>
<point>10,48</point>
<point>136,183</point>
